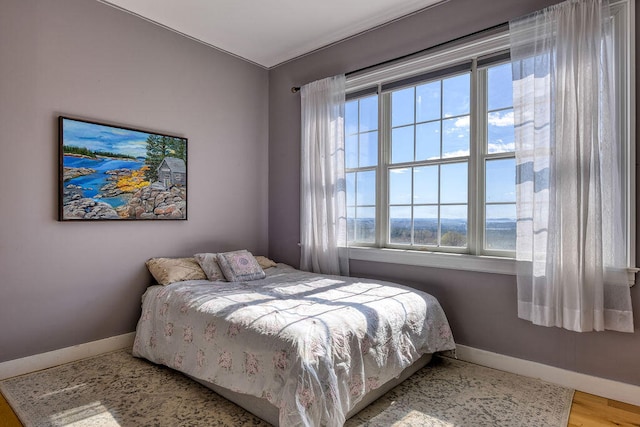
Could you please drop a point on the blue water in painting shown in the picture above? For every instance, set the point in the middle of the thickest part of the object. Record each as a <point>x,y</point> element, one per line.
<point>91,184</point>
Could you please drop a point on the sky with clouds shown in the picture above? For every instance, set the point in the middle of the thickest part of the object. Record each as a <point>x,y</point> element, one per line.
<point>418,117</point>
<point>97,137</point>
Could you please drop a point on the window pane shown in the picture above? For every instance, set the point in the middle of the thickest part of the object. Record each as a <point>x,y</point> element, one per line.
<point>365,225</point>
<point>351,224</point>
<point>368,149</point>
<point>425,225</point>
<point>369,113</point>
<point>453,225</point>
<point>400,224</point>
<point>453,183</point>
<point>351,151</point>
<point>425,182</point>
<point>351,117</point>
<point>500,87</point>
<point>400,186</point>
<point>455,137</point>
<point>455,95</point>
<point>428,102</point>
<point>500,227</point>
<point>361,151</point>
<point>402,104</point>
<point>428,141</point>
<point>366,188</point>
<point>501,136</point>
<point>402,144</point>
<point>500,180</point>
<point>351,188</point>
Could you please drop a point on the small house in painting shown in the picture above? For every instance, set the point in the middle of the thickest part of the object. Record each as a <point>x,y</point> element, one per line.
<point>172,171</point>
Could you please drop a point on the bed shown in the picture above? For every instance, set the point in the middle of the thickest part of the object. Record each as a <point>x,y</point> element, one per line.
<point>294,348</point>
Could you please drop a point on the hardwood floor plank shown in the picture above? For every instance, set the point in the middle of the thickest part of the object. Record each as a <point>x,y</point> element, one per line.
<point>625,406</point>
<point>591,398</point>
<point>588,410</point>
<point>7,416</point>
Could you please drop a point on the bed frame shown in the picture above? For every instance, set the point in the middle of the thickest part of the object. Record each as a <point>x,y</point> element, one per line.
<point>264,409</point>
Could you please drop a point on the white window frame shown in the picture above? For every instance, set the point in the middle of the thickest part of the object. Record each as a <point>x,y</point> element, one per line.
<point>441,57</point>
<point>387,166</point>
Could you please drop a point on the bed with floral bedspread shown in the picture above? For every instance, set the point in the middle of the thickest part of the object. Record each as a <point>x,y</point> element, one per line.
<point>311,345</point>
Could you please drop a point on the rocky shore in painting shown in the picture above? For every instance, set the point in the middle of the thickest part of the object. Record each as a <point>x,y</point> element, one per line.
<point>70,173</point>
<point>152,201</point>
<point>83,208</point>
<point>156,202</point>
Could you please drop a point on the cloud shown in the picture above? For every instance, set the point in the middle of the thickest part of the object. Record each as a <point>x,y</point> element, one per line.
<point>459,153</point>
<point>462,122</point>
<point>501,147</point>
<point>501,119</point>
<point>457,127</point>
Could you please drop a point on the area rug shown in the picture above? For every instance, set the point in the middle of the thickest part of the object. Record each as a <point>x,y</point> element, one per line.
<point>118,390</point>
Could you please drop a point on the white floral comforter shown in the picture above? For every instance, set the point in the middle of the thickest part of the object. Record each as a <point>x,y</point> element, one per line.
<point>312,345</point>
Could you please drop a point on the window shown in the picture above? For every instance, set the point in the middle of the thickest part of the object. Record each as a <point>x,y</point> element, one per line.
<point>428,171</point>
<point>498,160</point>
<point>427,159</point>
<point>430,155</point>
<point>361,161</point>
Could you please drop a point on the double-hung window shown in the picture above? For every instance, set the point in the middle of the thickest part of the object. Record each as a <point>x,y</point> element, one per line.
<point>428,167</point>
<point>430,163</point>
<point>430,155</point>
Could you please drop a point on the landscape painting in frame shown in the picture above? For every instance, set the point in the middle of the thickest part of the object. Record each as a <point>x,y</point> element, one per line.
<point>118,173</point>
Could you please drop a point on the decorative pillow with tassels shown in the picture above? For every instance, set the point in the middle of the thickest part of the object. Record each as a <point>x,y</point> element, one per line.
<point>240,266</point>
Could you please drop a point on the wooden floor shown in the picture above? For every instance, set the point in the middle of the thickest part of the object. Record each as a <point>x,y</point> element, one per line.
<point>594,411</point>
<point>7,417</point>
<point>587,410</point>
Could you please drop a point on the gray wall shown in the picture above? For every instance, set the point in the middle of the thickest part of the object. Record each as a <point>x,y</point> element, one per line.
<point>480,307</point>
<point>63,284</point>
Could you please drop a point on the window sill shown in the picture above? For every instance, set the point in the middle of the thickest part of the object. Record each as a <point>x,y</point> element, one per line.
<point>465,262</point>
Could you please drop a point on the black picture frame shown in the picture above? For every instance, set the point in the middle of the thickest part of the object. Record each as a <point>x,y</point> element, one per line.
<point>116,173</point>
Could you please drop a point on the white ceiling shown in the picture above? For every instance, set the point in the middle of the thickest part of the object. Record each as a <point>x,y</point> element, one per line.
<point>270,32</point>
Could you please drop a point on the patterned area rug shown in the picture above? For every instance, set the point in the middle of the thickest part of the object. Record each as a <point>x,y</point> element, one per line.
<point>118,390</point>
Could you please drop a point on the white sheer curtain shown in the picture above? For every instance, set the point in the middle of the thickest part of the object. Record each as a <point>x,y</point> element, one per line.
<point>570,243</point>
<point>323,200</point>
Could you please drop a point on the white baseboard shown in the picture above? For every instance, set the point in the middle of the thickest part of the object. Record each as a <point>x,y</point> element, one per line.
<point>50,359</point>
<point>610,389</point>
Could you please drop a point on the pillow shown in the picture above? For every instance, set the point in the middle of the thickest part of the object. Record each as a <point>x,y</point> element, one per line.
<point>265,262</point>
<point>209,264</point>
<point>240,266</point>
<point>171,270</point>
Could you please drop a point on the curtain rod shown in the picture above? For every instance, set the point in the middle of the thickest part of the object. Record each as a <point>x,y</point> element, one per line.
<point>296,89</point>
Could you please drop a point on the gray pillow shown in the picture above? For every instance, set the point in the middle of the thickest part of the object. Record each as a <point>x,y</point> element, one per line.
<point>240,266</point>
<point>209,264</point>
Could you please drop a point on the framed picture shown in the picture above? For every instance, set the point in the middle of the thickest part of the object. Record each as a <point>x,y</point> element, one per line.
<point>117,173</point>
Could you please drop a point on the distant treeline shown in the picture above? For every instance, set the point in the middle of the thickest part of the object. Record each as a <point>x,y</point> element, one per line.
<point>82,151</point>
<point>499,233</point>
